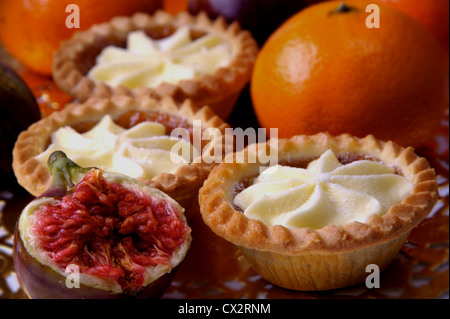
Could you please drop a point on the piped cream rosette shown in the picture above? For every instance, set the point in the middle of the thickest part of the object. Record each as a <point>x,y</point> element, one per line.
<point>147,150</point>
<point>146,62</point>
<point>326,192</point>
<point>182,56</point>
<point>143,151</point>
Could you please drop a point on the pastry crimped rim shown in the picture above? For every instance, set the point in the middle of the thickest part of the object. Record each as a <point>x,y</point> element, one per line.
<point>69,68</point>
<point>183,184</point>
<point>217,194</point>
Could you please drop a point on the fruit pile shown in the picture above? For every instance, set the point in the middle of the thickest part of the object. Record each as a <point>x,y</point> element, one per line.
<point>348,79</point>
<point>323,66</point>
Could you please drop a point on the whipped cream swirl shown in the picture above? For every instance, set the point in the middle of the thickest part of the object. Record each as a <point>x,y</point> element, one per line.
<point>142,151</point>
<point>148,62</point>
<point>325,193</point>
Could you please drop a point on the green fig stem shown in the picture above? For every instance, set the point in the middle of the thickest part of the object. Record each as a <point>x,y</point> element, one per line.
<point>64,173</point>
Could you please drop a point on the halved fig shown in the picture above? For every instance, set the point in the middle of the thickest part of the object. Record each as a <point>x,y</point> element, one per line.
<point>97,234</point>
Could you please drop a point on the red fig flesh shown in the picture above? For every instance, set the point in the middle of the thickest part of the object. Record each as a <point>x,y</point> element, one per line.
<point>121,236</point>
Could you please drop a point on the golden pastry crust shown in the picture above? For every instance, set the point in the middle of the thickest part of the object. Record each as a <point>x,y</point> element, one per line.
<point>298,251</point>
<point>219,90</point>
<point>183,185</point>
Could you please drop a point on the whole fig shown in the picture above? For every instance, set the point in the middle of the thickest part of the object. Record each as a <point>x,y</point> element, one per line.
<point>18,110</point>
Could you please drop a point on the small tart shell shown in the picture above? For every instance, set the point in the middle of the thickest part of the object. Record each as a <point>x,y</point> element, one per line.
<point>218,90</point>
<point>332,257</point>
<point>183,185</point>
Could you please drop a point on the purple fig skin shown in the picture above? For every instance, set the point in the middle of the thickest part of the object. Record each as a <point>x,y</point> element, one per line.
<point>261,17</point>
<point>18,110</point>
<point>41,282</point>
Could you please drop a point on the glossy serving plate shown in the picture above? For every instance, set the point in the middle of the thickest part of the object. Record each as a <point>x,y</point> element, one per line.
<point>215,269</point>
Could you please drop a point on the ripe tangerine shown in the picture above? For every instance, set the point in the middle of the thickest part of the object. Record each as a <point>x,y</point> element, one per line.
<point>324,71</point>
<point>32,30</point>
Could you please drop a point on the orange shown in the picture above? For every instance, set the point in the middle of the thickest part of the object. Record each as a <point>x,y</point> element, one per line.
<point>432,14</point>
<point>175,6</point>
<point>32,30</point>
<point>324,70</point>
<point>49,96</point>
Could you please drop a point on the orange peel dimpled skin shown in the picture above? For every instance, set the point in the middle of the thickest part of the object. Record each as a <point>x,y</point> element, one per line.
<point>32,39</point>
<point>323,70</point>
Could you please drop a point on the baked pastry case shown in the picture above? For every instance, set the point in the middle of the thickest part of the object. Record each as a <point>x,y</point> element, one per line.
<point>214,268</point>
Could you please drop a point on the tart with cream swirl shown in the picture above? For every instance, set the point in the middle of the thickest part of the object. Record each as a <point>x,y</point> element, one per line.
<point>147,139</point>
<point>330,207</point>
<point>182,56</point>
